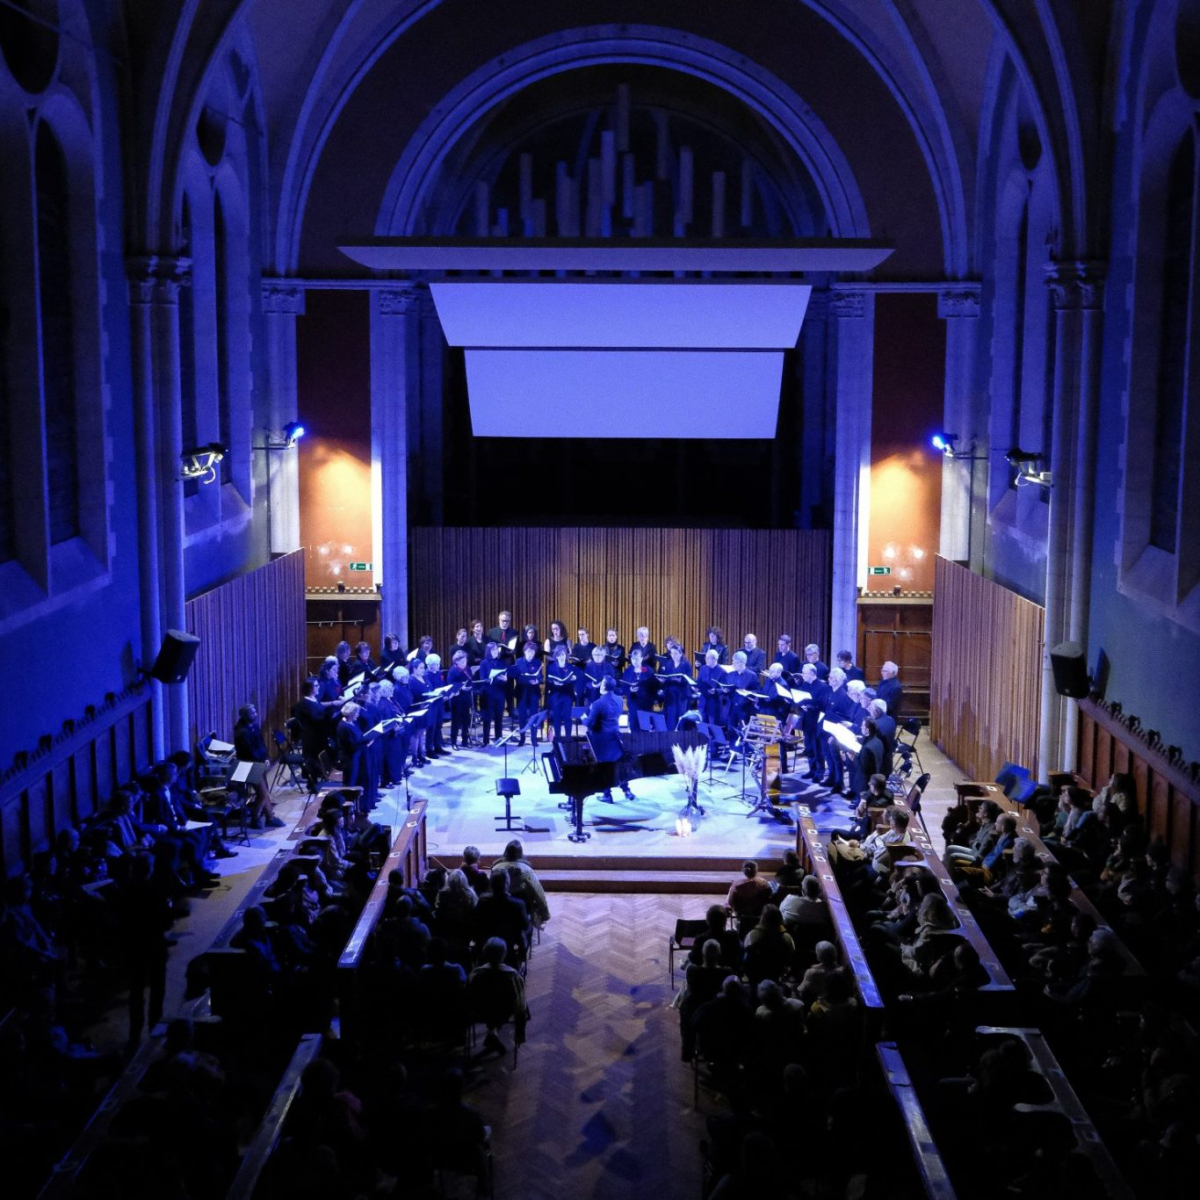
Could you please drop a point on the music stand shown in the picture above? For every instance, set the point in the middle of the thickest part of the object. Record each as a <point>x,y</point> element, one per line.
<point>651,722</point>
<point>716,737</point>
<point>577,715</point>
<point>503,742</point>
<point>508,788</point>
<point>529,728</point>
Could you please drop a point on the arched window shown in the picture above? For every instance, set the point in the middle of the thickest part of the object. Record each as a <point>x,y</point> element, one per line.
<point>224,397</point>
<point>1173,344</point>
<point>55,311</point>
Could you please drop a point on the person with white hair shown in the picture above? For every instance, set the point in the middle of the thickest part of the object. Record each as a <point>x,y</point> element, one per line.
<point>353,744</point>
<point>437,713</point>
<point>840,707</point>
<point>889,689</point>
<point>740,678</point>
<point>885,727</point>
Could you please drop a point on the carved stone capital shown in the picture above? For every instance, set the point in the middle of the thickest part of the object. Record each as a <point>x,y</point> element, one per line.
<point>399,301</point>
<point>958,302</point>
<point>848,305</point>
<point>279,296</point>
<point>1076,286</point>
<point>156,279</point>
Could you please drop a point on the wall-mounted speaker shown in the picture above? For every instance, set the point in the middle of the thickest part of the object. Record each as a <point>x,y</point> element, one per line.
<point>175,658</point>
<point>1070,670</point>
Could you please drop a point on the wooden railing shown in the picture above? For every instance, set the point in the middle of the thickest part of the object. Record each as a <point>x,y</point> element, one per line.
<point>1168,792</point>
<point>1066,1103</point>
<point>408,855</point>
<point>71,776</point>
<point>266,1136</point>
<point>815,859</point>
<point>926,1155</point>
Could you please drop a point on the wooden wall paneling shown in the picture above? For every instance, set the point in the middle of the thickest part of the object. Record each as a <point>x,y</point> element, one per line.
<point>674,581</point>
<point>39,811</point>
<point>1180,829</point>
<point>85,794</point>
<point>1087,747</point>
<point>253,643</point>
<point>985,691</point>
<point>1158,814</point>
<point>62,801</point>
<point>122,753</point>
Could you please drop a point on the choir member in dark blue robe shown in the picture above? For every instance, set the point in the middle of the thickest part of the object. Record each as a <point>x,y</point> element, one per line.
<point>599,668</point>
<point>675,682</point>
<point>812,654</point>
<point>639,685</point>
<point>714,639</point>
<point>787,657</point>
<point>845,660</point>
<point>842,708</point>
<point>394,741</point>
<point>739,679</point>
<point>812,713</point>
<point>889,689</point>
<point>712,696</point>
<point>560,690</point>
<point>649,651</point>
<point>459,677</point>
<point>615,652</point>
<point>558,637</point>
<point>494,672</point>
<point>391,654</point>
<point>526,674</point>
<point>434,679</point>
<point>756,659</point>
<point>581,659</point>
<point>353,746</point>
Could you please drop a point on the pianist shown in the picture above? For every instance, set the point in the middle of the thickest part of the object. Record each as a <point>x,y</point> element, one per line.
<point>603,721</point>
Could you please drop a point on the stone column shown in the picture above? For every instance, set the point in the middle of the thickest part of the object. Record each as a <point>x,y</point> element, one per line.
<point>959,308</point>
<point>433,347</point>
<point>1077,291</point>
<point>814,338</point>
<point>393,322</point>
<point>154,295</point>
<point>854,339</point>
<point>282,303</point>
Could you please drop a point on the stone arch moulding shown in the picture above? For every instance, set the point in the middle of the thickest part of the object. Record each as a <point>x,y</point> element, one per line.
<point>401,211</point>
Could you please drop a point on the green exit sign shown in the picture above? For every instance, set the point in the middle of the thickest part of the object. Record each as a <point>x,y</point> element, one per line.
<point>870,570</point>
<point>369,566</point>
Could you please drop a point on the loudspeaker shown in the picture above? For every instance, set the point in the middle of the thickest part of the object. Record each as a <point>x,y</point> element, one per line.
<point>175,658</point>
<point>1070,671</point>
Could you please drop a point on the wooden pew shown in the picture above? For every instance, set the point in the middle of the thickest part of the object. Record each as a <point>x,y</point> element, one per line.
<point>266,1136</point>
<point>409,854</point>
<point>815,859</point>
<point>1080,899</point>
<point>999,986</point>
<point>930,1166</point>
<point>1067,1103</point>
<point>63,1178</point>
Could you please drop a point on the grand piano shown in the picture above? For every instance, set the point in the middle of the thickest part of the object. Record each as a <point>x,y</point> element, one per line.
<point>571,768</point>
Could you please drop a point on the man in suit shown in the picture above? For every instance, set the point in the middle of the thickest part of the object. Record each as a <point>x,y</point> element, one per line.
<point>756,659</point>
<point>889,689</point>
<point>603,723</point>
<point>885,727</point>
<point>313,719</point>
<point>812,713</point>
<point>786,656</point>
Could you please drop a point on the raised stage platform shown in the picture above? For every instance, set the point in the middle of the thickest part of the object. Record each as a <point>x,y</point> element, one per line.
<point>634,845</point>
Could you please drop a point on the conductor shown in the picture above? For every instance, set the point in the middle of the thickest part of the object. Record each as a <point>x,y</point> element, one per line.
<point>603,723</point>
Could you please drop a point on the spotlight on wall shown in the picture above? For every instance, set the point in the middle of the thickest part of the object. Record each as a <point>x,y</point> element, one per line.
<point>1028,467</point>
<point>201,463</point>
<point>293,431</point>
<point>944,442</point>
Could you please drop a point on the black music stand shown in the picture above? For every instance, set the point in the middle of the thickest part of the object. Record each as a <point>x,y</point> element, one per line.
<point>508,788</point>
<point>503,742</point>
<point>577,715</point>
<point>716,737</point>
<point>651,722</point>
<point>528,728</point>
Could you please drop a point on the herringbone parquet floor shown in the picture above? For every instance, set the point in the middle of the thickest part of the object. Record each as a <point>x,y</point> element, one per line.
<point>599,1104</point>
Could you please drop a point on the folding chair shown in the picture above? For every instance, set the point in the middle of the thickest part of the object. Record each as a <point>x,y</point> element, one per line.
<point>288,757</point>
<point>682,940</point>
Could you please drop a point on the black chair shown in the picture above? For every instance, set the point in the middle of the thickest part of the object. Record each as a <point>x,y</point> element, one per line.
<point>911,726</point>
<point>682,940</point>
<point>913,800</point>
<point>288,758</point>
